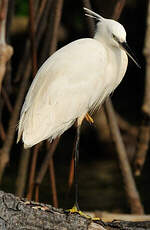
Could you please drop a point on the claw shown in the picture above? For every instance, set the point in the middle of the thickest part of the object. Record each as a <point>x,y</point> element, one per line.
<point>74,209</point>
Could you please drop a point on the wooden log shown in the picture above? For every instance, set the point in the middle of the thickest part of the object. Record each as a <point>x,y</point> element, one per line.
<point>108,217</point>
<point>16,213</point>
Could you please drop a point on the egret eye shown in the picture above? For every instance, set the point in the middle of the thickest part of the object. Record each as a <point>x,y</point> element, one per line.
<point>114,37</point>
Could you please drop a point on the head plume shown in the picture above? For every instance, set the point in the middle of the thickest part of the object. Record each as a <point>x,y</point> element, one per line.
<point>92,14</point>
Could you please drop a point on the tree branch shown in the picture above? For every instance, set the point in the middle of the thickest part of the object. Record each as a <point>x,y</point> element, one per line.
<point>144,131</point>
<point>16,213</point>
<point>6,51</point>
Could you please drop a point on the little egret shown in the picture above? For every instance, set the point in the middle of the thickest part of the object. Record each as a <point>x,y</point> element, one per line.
<point>73,81</point>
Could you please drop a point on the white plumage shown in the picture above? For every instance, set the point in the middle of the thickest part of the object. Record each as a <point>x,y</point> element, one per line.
<point>74,80</point>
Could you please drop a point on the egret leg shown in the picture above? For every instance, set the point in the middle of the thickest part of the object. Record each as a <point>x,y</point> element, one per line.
<point>75,208</point>
<point>76,161</point>
<point>71,174</point>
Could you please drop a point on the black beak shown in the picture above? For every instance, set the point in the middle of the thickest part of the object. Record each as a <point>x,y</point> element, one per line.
<point>127,49</point>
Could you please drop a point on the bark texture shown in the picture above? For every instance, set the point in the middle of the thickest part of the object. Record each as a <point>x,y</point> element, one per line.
<point>21,214</point>
<point>16,213</point>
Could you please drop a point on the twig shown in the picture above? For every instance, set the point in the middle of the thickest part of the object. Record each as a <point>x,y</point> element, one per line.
<point>71,173</point>
<point>130,186</point>
<point>7,101</point>
<point>51,36</point>
<point>22,172</point>
<point>53,183</point>
<point>144,131</point>
<point>7,84</point>
<point>57,12</point>
<point>57,17</point>
<point>90,23</point>
<point>4,152</point>
<point>1,108</point>
<point>126,126</point>
<point>32,37</point>
<point>32,11</point>
<point>25,155</point>
<point>6,51</point>
<point>32,172</point>
<point>46,161</point>
<point>2,132</point>
<point>42,6</point>
<point>39,28</point>
<point>36,149</point>
<point>118,9</point>
<point>3,16</point>
<point>37,192</point>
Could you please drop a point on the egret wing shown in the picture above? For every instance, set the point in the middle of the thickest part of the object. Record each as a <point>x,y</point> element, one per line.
<point>65,87</point>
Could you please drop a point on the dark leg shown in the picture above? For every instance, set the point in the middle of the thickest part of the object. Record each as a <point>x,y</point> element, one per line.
<point>76,160</point>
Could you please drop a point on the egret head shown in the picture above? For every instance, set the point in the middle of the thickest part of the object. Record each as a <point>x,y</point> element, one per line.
<point>111,32</point>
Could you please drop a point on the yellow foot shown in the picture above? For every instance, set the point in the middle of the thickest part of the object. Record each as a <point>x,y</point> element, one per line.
<point>89,118</point>
<point>74,209</point>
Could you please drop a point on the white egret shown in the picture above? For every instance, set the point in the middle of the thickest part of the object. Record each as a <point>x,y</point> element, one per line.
<point>74,81</point>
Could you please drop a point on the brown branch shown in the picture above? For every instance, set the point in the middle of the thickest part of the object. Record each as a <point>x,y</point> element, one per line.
<point>21,180</point>
<point>31,183</point>
<point>3,15</point>
<point>57,12</point>
<point>130,186</point>
<point>103,129</point>
<point>90,22</point>
<point>126,126</point>
<point>7,101</point>
<point>32,37</point>
<point>53,183</point>
<point>22,172</point>
<point>45,53</point>
<point>6,51</point>
<point>32,172</point>
<point>118,9</point>
<point>2,132</point>
<point>144,131</point>
<point>37,193</point>
<point>71,173</point>
<point>36,149</point>
<point>32,10</point>
<point>46,161</point>
<point>40,24</point>
<point>42,6</point>
<point>5,150</point>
